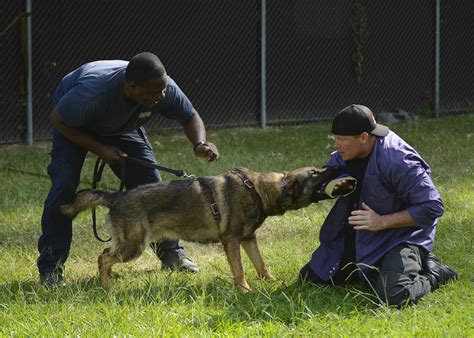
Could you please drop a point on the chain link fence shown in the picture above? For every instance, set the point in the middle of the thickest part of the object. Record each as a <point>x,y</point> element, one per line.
<point>12,73</point>
<point>319,55</point>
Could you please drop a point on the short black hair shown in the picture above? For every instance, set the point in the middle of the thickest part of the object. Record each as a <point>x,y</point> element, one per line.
<point>143,67</point>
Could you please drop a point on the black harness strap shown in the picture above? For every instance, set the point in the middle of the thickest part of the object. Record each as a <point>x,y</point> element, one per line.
<point>251,188</point>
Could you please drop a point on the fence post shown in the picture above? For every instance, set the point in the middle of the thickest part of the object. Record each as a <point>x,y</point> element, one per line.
<point>29,84</point>
<point>263,66</point>
<point>437,54</point>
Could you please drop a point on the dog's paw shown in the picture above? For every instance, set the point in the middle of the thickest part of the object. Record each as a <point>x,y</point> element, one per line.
<point>244,289</point>
<point>114,274</point>
<point>104,282</point>
<point>267,276</point>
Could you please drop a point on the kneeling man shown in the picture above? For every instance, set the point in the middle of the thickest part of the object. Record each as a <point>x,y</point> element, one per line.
<point>384,231</point>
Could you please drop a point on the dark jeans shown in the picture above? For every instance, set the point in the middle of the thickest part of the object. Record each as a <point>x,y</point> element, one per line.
<point>399,279</point>
<point>64,170</point>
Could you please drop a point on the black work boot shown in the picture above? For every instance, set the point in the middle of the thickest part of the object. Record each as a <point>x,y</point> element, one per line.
<point>176,260</point>
<point>437,273</point>
<point>52,278</point>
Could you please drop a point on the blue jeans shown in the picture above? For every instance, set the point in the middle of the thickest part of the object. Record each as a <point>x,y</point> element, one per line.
<point>64,170</point>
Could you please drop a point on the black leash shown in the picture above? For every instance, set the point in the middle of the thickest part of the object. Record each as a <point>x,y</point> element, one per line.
<point>97,175</point>
<point>178,173</point>
<point>12,169</point>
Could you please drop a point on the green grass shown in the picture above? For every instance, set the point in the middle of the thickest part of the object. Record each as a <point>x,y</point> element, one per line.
<point>144,301</point>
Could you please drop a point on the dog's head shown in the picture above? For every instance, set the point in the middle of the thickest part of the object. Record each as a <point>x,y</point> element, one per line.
<point>302,186</point>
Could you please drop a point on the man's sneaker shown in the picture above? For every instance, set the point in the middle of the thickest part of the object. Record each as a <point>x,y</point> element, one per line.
<point>437,273</point>
<point>178,261</point>
<point>52,279</point>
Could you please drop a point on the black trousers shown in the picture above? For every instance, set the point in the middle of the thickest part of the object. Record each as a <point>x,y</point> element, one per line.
<point>398,281</point>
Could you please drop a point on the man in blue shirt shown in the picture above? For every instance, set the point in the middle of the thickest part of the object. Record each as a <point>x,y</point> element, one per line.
<point>101,107</point>
<point>384,231</point>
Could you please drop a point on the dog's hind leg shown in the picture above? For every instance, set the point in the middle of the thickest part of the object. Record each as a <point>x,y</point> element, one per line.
<point>251,248</point>
<point>124,252</point>
<point>105,267</point>
<point>232,250</point>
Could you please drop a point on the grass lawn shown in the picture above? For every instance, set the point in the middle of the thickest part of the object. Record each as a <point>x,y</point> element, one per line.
<point>144,301</point>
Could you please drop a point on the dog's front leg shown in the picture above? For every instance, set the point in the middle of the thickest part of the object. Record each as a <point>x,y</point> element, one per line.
<point>251,248</point>
<point>232,250</point>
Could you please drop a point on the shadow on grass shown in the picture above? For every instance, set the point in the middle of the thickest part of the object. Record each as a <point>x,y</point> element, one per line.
<point>300,301</point>
<point>270,301</point>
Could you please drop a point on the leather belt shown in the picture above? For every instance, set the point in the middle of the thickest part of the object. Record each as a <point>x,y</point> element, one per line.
<point>210,198</point>
<point>251,188</point>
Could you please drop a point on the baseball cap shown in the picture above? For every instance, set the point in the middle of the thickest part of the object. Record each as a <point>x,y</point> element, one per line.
<point>356,119</point>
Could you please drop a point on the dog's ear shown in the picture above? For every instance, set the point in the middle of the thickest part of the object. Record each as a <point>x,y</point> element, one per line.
<point>293,181</point>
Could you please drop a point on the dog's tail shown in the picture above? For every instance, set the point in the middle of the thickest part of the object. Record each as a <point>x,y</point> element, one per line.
<point>87,199</point>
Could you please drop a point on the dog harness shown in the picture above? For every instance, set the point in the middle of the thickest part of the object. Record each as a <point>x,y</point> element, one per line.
<point>256,197</point>
<point>210,198</point>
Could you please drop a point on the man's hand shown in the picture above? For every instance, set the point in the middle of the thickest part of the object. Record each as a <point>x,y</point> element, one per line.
<point>366,219</point>
<point>111,154</point>
<point>206,151</point>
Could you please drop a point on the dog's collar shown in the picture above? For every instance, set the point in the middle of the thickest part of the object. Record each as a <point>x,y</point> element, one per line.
<point>251,188</point>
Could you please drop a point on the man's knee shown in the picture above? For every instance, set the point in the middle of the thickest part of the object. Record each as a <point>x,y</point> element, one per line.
<point>308,275</point>
<point>398,282</point>
<point>392,289</point>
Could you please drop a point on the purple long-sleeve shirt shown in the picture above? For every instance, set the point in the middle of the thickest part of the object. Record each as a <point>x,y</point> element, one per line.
<point>396,178</point>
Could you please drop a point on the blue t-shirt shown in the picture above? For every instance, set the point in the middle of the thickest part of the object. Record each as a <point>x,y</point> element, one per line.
<point>91,97</point>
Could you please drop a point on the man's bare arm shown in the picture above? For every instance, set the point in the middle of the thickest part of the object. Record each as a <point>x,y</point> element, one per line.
<point>108,153</point>
<point>196,133</point>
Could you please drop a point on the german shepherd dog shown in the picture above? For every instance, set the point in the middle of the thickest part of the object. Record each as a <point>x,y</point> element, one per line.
<point>228,208</point>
